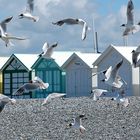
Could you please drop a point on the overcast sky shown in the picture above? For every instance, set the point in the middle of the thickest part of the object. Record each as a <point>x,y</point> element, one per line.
<point>108,16</point>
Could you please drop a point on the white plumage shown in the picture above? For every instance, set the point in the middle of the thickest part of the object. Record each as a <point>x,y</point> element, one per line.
<point>4,35</point>
<point>52,96</point>
<point>48,50</point>
<point>130,26</point>
<point>28,12</point>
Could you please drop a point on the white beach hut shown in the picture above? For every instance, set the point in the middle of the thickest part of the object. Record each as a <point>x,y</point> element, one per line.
<point>79,69</point>
<point>111,56</point>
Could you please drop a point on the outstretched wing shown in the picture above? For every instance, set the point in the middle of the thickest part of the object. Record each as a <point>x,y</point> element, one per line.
<point>30,6</point>
<point>4,22</point>
<point>45,47</point>
<point>130,12</point>
<point>114,72</point>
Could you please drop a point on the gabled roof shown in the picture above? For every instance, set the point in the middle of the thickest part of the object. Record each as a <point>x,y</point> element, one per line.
<point>26,60</point>
<point>87,58</point>
<point>59,57</point>
<point>125,51</point>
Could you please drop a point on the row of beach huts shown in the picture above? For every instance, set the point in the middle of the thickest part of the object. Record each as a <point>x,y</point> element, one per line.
<point>68,72</point>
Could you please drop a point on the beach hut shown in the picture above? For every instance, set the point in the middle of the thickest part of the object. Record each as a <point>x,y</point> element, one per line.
<point>15,72</point>
<point>111,56</point>
<point>50,71</point>
<point>78,74</point>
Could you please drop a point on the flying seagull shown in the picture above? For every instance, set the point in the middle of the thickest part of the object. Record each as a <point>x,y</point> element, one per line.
<point>121,98</point>
<point>31,86</point>
<point>78,124</point>
<point>111,76</point>
<point>4,100</point>
<point>96,93</point>
<point>48,50</point>
<point>130,26</point>
<point>135,54</point>
<point>28,12</point>
<point>4,35</point>
<point>53,96</point>
<point>71,21</point>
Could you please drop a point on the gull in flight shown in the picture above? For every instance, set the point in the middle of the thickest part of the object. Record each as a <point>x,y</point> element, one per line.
<point>4,100</point>
<point>28,12</point>
<point>78,124</point>
<point>71,21</point>
<point>4,35</point>
<point>53,96</point>
<point>135,54</point>
<point>48,50</point>
<point>96,93</point>
<point>35,84</point>
<point>111,76</point>
<point>130,27</point>
<point>121,99</point>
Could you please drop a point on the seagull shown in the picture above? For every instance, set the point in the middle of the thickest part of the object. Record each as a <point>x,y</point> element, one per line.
<point>31,86</point>
<point>4,35</point>
<point>130,27</point>
<point>97,93</point>
<point>78,124</point>
<point>135,54</point>
<point>4,100</point>
<point>47,50</point>
<point>112,77</point>
<point>28,12</point>
<point>52,96</point>
<point>121,98</point>
<point>71,21</point>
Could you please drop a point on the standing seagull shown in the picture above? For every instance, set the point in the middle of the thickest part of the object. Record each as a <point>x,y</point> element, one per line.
<point>78,124</point>
<point>130,27</point>
<point>52,96</point>
<point>135,54</point>
<point>71,21</point>
<point>4,35</point>
<point>32,85</point>
<point>97,93</point>
<point>4,100</point>
<point>28,12</point>
<point>48,51</point>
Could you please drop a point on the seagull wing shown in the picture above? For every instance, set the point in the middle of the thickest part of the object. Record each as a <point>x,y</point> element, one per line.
<point>69,21</point>
<point>20,90</point>
<point>45,47</point>
<point>104,71</point>
<point>84,32</point>
<point>115,69</point>
<point>4,22</point>
<point>52,96</point>
<point>130,13</point>
<point>15,37</point>
<point>30,6</point>
<point>98,93</point>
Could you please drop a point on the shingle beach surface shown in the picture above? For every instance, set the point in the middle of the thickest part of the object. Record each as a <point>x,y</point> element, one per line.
<point>29,120</point>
